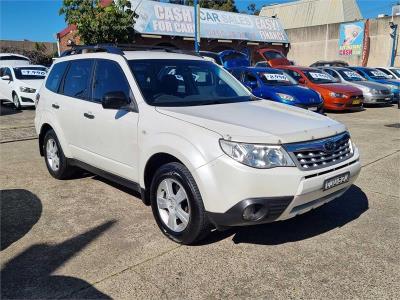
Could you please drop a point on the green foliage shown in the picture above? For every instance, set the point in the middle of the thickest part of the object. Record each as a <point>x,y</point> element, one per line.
<point>37,57</point>
<point>252,9</point>
<point>97,24</point>
<point>226,5</point>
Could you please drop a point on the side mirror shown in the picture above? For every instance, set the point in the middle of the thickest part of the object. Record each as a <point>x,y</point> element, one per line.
<point>302,81</point>
<point>6,77</point>
<point>114,100</point>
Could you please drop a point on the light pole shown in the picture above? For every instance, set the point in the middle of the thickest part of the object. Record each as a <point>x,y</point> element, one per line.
<point>196,26</point>
<point>393,35</point>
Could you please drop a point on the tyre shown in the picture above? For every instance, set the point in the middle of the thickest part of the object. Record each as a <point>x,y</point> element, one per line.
<point>16,102</point>
<point>56,162</point>
<point>177,204</point>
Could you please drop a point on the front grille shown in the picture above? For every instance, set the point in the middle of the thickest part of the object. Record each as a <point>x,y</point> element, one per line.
<point>321,153</point>
<point>355,97</point>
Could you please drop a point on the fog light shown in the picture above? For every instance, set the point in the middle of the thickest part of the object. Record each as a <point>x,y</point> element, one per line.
<point>254,212</point>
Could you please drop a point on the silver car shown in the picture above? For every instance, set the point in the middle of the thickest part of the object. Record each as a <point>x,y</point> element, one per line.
<point>373,92</point>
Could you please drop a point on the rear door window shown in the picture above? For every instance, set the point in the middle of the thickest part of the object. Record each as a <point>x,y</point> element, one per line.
<point>78,78</point>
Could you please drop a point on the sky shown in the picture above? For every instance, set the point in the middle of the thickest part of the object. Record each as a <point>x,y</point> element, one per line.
<point>38,20</point>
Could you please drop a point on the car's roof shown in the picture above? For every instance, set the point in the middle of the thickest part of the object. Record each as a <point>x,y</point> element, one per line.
<point>13,54</point>
<point>335,68</point>
<point>132,55</point>
<point>22,66</point>
<point>301,68</point>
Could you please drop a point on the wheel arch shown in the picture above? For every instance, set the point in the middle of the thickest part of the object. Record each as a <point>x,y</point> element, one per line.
<point>43,130</point>
<point>152,165</point>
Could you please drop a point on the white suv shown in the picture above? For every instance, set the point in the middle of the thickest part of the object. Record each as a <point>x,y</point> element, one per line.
<point>201,149</point>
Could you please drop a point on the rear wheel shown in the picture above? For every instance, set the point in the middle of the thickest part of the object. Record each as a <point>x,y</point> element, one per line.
<point>177,205</point>
<point>16,102</point>
<point>56,162</point>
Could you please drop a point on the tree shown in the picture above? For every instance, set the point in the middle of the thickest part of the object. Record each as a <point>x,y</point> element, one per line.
<point>226,5</point>
<point>252,9</point>
<point>97,23</point>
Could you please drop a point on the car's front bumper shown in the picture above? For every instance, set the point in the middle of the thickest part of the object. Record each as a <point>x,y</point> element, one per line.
<point>228,187</point>
<point>376,99</point>
<point>27,99</point>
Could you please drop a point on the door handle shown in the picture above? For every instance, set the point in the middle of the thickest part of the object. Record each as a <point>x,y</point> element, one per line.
<point>56,106</point>
<point>88,115</point>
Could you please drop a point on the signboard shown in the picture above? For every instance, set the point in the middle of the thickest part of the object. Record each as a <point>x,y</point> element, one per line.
<point>160,18</point>
<point>277,77</point>
<point>319,75</point>
<point>351,38</point>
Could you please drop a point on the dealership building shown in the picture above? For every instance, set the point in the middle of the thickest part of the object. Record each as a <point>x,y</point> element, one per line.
<point>172,25</point>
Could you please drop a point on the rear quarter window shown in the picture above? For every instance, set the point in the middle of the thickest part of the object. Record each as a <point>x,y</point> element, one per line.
<point>55,76</point>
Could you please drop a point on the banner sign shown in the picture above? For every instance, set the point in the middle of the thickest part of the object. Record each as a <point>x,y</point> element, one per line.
<point>178,20</point>
<point>319,75</point>
<point>351,38</point>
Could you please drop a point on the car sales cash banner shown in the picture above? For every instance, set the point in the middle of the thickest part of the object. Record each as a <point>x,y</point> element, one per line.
<point>178,20</point>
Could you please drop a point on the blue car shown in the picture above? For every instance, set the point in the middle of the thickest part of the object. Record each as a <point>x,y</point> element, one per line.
<point>380,77</point>
<point>275,85</point>
<point>228,58</point>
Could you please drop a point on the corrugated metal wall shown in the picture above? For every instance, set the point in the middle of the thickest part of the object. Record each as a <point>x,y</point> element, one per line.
<point>306,13</point>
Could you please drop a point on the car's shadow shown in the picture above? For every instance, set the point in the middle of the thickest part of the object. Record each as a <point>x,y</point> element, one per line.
<point>29,274</point>
<point>334,214</point>
<point>7,108</point>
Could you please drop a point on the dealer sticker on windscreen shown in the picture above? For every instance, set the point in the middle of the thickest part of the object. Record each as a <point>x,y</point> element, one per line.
<point>33,73</point>
<point>337,180</point>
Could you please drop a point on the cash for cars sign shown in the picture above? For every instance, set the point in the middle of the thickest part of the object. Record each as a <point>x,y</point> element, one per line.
<point>178,20</point>
<point>351,38</point>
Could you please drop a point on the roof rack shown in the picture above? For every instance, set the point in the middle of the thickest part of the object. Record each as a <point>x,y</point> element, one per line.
<point>120,48</point>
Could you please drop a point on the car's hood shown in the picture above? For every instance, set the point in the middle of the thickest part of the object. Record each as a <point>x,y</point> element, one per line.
<point>388,81</point>
<point>368,84</point>
<point>303,95</point>
<point>339,88</point>
<point>35,83</point>
<point>258,121</point>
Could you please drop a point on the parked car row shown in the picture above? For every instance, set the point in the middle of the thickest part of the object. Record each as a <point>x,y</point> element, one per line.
<point>339,86</point>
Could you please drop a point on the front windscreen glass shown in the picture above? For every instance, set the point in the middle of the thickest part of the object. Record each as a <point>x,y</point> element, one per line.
<point>396,71</point>
<point>168,82</point>
<point>317,76</point>
<point>276,78</point>
<point>350,75</point>
<point>376,74</point>
<point>28,73</point>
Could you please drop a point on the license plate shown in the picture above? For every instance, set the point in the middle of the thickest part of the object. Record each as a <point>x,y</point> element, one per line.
<point>356,101</point>
<point>337,180</point>
<point>387,99</point>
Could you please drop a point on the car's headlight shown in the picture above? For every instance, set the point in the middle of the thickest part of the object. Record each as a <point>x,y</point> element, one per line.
<point>257,155</point>
<point>285,97</point>
<point>337,95</point>
<point>392,86</point>
<point>374,91</point>
<point>26,89</point>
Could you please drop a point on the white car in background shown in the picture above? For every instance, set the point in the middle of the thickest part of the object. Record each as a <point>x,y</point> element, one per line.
<point>19,84</point>
<point>12,59</point>
<point>392,72</point>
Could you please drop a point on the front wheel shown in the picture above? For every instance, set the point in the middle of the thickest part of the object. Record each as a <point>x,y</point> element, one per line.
<point>177,204</point>
<point>16,102</point>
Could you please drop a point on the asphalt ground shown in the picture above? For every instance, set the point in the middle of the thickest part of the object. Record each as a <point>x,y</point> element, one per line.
<point>89,238</point>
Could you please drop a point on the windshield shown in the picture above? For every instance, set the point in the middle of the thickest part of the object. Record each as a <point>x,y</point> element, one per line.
<point>376,74</point>
<point>29,73</point>
<point>186,83</point>
<point>350,75</point>
<point>317,76</point>
<point>276,78</point>
<point>396,71</point>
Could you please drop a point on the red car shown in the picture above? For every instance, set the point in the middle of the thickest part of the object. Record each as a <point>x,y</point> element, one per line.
<point>337,96</point>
